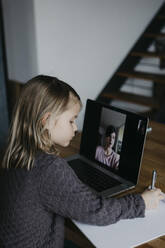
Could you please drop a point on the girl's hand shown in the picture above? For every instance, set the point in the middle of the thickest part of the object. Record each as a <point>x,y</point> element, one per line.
<point>152,198</point>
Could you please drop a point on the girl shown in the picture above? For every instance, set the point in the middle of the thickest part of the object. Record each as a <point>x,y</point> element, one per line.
<point>37,188</point>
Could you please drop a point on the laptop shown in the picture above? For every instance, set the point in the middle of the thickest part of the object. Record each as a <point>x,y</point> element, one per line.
<point>111,149</point>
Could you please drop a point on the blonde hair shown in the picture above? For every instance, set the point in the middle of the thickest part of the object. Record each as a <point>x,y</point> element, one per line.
<point>42,94</point>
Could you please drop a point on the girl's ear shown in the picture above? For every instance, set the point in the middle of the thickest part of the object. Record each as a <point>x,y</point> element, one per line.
<point>45,118</point>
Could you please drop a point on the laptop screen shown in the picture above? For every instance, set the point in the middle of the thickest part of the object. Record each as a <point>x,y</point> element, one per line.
<point>113,138</point>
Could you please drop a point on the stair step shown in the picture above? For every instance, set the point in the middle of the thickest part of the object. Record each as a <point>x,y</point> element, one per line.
<point>137,99</point>
<point>158,78</point>
<point>133,107</point>
<point>147,54</point>
<point>153,35</point>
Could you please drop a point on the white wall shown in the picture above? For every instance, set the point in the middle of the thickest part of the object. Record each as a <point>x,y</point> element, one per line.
<point>80,41</point>
<point>20,41</point>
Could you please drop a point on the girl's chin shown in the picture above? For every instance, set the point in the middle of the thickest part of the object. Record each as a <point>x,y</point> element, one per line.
<point>66,144</point>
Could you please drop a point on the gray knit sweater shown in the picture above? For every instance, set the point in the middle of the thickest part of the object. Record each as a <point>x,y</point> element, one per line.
<point>33,204</point>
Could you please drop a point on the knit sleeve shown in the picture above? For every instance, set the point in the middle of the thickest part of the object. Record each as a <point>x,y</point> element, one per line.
<point>63,193</point>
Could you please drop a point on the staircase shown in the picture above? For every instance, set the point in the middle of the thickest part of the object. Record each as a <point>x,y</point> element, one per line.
<point>132,73</point>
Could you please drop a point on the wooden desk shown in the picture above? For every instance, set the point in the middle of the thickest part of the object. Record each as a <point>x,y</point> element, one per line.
<point>153,158</point>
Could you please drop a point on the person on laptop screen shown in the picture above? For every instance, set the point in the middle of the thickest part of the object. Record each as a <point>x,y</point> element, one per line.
<point>106,154</point>
<point>38,188</point>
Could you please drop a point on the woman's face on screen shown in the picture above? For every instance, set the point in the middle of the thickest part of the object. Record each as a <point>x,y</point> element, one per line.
<point>110,140</point>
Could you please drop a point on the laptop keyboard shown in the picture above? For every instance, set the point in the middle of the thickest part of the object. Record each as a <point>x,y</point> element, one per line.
<point>91,176</point>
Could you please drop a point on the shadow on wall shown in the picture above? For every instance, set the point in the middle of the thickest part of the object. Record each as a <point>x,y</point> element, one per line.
<point>3,98</point>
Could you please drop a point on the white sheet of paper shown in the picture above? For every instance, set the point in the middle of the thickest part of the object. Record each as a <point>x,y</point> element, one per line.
<point>127,233</point>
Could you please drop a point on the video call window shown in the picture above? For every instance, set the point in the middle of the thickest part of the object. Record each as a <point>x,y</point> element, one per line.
<point>110,138</point>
